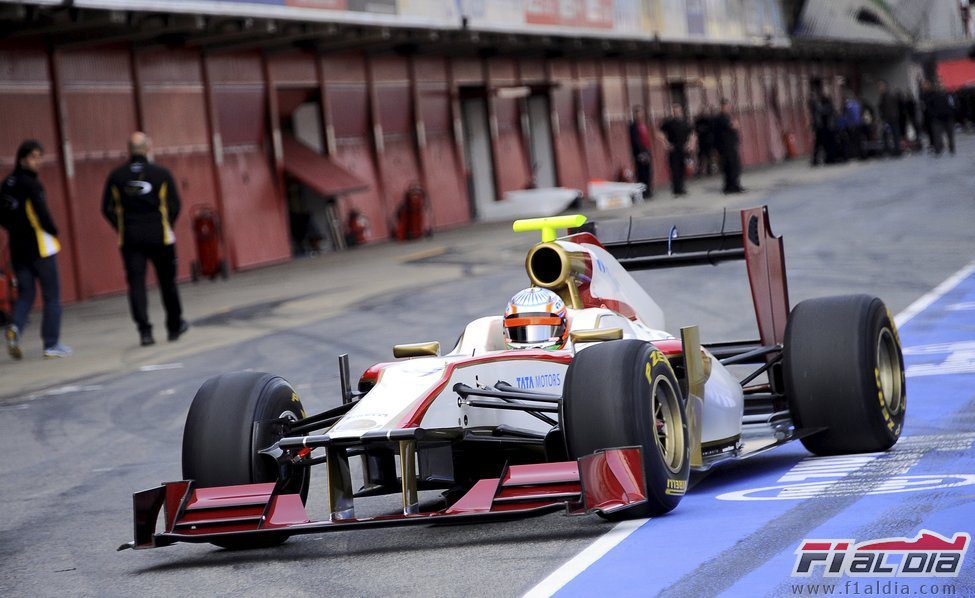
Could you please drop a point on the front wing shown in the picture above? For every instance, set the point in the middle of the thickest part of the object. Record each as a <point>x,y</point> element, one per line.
<point>604,482</point>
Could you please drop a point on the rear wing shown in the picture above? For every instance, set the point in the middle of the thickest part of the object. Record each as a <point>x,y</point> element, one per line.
<point>700,239</point>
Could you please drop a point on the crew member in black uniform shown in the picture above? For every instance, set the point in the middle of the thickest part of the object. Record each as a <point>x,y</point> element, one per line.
<point>703,130</point>
<point>141,202</point>
<point>33,250</point>
<point>728,140</point>
<point>677,137</point>
<point>640,146</point>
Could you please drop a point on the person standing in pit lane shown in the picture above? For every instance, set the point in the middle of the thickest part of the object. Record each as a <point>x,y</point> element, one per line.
<point>33,250</point>
<point>677,135</point>
<point>640,146</point>
<point>704,130</point>
<point>141,202</point>
<point>728,141</point>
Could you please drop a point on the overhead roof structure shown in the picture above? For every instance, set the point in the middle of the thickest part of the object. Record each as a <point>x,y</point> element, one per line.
<point>853,28</point>
<point>918,24</point>
<point>703,27</point>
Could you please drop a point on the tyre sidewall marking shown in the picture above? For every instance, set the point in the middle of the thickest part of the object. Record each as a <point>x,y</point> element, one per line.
<point>656,364</point>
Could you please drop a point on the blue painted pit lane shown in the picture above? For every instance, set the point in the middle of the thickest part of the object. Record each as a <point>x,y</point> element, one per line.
<point>736,533</point>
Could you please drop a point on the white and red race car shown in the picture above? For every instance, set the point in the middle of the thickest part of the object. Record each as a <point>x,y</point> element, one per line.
<point>614,422</point>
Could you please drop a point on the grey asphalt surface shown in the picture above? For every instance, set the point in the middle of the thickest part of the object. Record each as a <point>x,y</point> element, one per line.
<point>73,457</point>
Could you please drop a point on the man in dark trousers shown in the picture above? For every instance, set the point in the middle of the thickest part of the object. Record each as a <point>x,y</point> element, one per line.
<point>33,250</point>
<point>940,110</point>
<point>703,130</point>
<point>889,108</point>
<point>676,134</point>
<point>728,142</point>
<point>823,117</point>
<point>141,202</point>
<point>640,145</point>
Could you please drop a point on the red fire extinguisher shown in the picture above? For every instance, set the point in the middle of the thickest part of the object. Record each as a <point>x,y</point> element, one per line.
<point>791,147</point>
<point>210,261</point>
<point>356,228</point>
<point>411,215</point>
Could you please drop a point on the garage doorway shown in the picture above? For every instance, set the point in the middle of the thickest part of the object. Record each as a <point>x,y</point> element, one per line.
<point>477,152</point>
<point>540,141</point>
<point>314,182</point>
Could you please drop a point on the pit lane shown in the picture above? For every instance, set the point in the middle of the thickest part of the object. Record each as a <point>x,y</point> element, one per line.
<point>895,229</point>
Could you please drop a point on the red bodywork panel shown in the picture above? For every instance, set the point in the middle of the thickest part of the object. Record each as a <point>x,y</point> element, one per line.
<point>606,481</point>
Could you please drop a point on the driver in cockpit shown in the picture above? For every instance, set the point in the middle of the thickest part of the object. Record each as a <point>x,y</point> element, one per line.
<point>535,319</point>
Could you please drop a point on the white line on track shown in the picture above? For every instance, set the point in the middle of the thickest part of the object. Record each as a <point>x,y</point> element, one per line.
<point>160,366</point>
<point>603,544</point>
<point>925,301</point>
<point>580,562</point>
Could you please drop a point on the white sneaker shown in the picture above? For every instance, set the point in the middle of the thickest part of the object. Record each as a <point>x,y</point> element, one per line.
<point>57,351</point>
<point>13,342</point>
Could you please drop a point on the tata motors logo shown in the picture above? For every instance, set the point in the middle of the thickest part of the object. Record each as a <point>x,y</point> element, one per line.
<point>929,554</point>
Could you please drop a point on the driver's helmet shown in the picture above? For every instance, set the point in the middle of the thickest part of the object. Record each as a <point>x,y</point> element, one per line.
<point>535,319</point>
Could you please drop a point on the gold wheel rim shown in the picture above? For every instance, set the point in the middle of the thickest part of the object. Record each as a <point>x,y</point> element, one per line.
<point>668,427</point>
<point>890,375</point>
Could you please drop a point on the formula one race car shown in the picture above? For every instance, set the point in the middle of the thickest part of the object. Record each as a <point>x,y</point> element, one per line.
<point>575,399</point>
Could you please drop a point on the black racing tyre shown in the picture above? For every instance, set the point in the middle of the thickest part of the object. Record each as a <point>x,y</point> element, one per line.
<point>622,394</point>
<point>221,442</point>
<point>844,371</point>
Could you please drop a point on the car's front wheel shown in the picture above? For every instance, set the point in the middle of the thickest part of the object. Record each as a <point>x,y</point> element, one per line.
<point>622,394</point>
<point>232,417</point>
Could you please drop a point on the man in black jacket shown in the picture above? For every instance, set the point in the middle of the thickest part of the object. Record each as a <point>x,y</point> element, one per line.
<point>677,136</point>
<point>33,250</point>
<point>728,140</point>
<point>141,202</point>
<point>704,131</point>
<point>889,108</point>
<point>640,146</point>
<point>939,109</point>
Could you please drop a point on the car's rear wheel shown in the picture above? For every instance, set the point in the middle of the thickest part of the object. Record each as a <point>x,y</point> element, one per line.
<point>844,372</point>
<point>623,394</point>
<point>221,441</point>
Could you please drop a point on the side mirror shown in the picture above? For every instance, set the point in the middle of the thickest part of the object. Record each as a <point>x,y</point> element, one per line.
<point>596,335</point>
<point>416,350</point>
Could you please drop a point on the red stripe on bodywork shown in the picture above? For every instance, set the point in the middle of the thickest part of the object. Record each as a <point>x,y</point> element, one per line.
<point>816,546</point>
<point>669,347</point>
